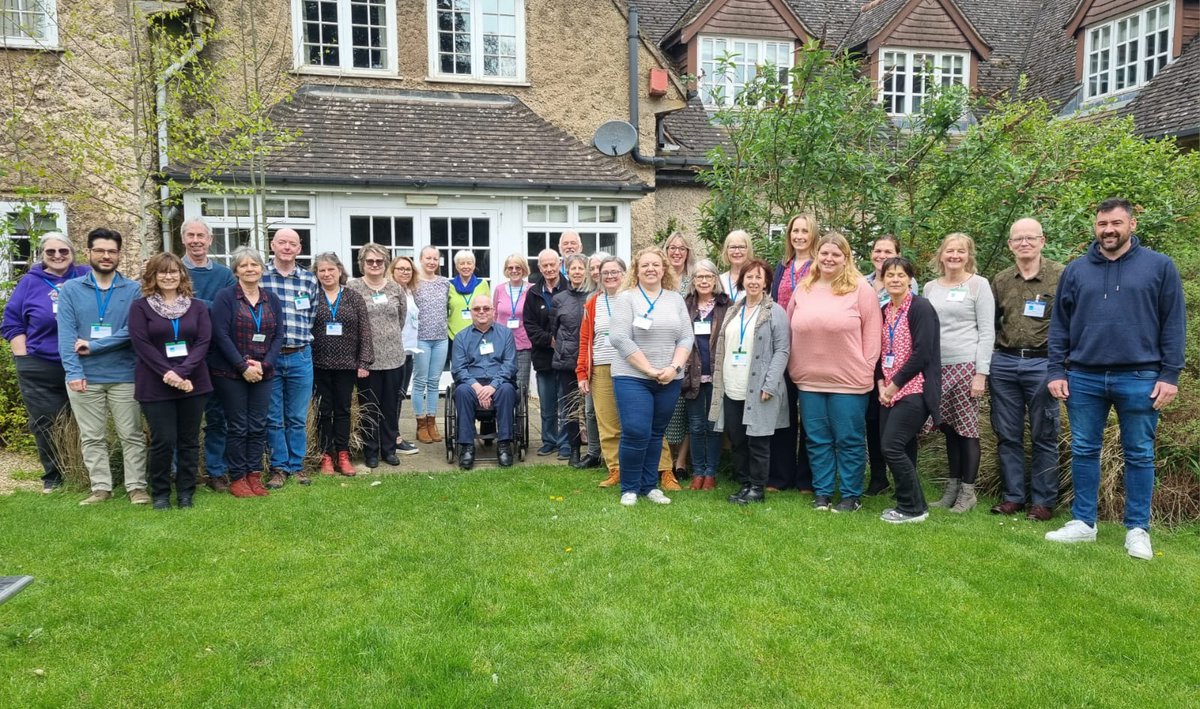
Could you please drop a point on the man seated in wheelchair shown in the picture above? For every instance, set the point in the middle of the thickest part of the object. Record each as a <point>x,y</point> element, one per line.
<point>483,363</point>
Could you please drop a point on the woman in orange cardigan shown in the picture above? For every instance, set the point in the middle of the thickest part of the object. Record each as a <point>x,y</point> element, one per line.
<point>593,368</point>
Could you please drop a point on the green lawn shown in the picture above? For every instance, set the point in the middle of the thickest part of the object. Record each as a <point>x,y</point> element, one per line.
<point>531,587</point>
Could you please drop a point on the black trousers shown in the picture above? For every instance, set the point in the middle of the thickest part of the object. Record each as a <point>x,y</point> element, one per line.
<point>174,439</point>
<point>406,374</point>
<point>379,412</point>
<point>334,388</point>
<point>751,454</point>
<point>43,387</point>
<point>899,426</point>
<point>247,407</point>
<point>789,455</point>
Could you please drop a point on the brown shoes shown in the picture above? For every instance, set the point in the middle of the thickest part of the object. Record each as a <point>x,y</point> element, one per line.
<point>697,483</point>
<point>710,482</point>
<point>431,429</point>
<point>241,488</point>
<point>1007,508</point>
<point>614,478</point>
<point>344,466</point>
<point>256,484</point>
<point>327,464</point>
<point>1039,513</point>
<point>667,481</point>
<point>97,497</point>
<point>423,430</point>
<point>139,497</point>
<point>218,484</point>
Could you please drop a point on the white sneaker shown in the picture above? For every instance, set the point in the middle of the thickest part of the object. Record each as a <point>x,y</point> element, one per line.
<point>1137,542</point>
<point>657,497</point>
<point>1072,532</point>
<point>894,516</point>
<point>629,499</point>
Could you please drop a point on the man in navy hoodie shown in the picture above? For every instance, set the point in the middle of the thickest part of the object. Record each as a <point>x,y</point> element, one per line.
<point>1116,340</point>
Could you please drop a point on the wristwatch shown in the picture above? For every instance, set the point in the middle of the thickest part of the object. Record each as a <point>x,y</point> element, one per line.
<point>678,369</point>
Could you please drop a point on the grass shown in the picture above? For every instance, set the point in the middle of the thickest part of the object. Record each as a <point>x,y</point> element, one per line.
<point>533,588</point>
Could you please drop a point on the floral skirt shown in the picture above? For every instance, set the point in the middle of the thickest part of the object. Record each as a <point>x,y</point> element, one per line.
<point>959,410</point>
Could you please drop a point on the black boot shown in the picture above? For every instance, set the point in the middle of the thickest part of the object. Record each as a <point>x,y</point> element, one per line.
<point>588,461</point>
<point>739,497</point>
<point>466,457</point>
<point>573,461</point>
<point>877,485</point>
<point>504,454</point>
<point>754,494</point>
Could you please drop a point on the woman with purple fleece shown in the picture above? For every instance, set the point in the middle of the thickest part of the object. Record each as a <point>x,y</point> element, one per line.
<point>31,329</point>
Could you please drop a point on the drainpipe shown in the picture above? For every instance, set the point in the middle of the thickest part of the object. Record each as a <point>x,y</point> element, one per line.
<point>633,39</point>
<point>198,27</point>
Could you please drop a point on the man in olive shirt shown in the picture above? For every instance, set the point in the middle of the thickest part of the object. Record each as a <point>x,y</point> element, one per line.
<point>1024,297</point>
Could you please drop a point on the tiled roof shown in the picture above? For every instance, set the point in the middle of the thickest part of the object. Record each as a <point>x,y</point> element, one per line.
<point>691,130</point>
<point>1170,103</point>
<point>356,136</point>
<point>872,18</point>
<point>1049,63</point>
<point>657,17</point>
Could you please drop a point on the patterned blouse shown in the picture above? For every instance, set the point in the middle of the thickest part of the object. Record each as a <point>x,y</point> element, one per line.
<point>352,349</point>
<point>897,342</point>
<point>386,310</point>
<point>433,298</point>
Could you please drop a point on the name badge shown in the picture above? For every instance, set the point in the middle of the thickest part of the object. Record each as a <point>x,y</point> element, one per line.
<point>486,348</point>
<point>258,337</point>
<point>379,299</point>
<point>957,295</point>
<point>177,349</point>
<point>513,323</point>
<point>702,327</point>
<point>101,330</point>
<point>741,359</point>
<point>643,322</point>
<point>333,329</point>
<point>54,308</point>
<point>465,313</point>
<point>889,361</point>
<point>1035,309</point>
<point>302,302</point>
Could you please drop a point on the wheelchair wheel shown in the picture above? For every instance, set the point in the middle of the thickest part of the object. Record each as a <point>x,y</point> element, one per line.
<point>521,425</point>
<point>450,419</point>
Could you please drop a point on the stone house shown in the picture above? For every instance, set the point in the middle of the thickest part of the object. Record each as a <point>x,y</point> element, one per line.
<point>468,124</point>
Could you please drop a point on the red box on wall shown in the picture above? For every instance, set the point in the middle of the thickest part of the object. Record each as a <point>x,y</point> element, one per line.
<point>658,82</point>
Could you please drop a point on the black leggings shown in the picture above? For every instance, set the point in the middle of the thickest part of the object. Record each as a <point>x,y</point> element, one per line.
<point>963,455</point>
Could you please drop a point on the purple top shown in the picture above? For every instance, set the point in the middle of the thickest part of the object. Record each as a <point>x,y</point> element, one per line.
<point>30,310</point>
<point>150,332</point>
<point>502,300</point>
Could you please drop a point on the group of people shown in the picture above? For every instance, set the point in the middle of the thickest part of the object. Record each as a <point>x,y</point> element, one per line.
<point>816,373</point>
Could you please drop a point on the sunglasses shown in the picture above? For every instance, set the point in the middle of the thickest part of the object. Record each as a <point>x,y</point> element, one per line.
<point>483,309</point>
<point>373,261</point>
<point>57,252</point>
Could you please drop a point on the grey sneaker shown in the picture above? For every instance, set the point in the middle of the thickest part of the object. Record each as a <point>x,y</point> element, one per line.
<point>894,516</point>
<point>822,502</point>
<point>848,504</point>
<point>139,497</point>
<point>97,497</point>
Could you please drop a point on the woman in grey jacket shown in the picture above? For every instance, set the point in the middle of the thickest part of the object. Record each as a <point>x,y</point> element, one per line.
<point>565,321</point>
<point>749,395</point>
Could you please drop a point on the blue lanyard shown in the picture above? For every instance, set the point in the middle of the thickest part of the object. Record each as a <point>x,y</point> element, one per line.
<point>256,313</point>
<point>609,307</point>
<point>892,329</point>
<point>803,270</point>
<point>175,327</point>
<point>51,284</point>
<point>101,307</point>
<point>733,292</point>
<point>334,307</point>
<point>651,303</point>
<point>513,301</point>
<point>742,338</point>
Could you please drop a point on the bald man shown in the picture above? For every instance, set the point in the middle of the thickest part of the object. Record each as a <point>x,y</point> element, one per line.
<point>1024,297</point>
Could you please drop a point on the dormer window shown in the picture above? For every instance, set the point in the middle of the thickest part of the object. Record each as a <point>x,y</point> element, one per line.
<point>721,83</point>
<point>908,76</point>
<point>1127,52</point>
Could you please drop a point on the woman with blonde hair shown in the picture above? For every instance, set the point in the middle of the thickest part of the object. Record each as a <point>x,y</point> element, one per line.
<point>509,301</point>
<point>432,293</point>
<point>681,255</point>
<point>966,310</point>
<point>798,249</point>
<point>170,332</point>
<point>379,408</point>
<point>736,252</point>
<point>835,323</point>
<point>404,273</point>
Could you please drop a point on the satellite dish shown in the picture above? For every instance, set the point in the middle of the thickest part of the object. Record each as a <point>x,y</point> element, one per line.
<point>615,138</point>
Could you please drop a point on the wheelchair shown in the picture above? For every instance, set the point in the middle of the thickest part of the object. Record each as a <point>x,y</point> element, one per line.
<point>488,438</point>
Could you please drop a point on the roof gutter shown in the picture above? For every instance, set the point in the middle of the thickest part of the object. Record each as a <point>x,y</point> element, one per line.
<point>638,187</point>
<point>633,38</point>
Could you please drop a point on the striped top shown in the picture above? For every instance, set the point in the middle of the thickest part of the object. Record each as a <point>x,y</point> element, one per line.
<point>671,328</point>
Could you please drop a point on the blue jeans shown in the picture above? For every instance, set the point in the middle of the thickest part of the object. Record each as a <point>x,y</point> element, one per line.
<point>427,370</point>
<point>287,427</point>
<point>836,427</point>
<point>642,435</point>
<point>214,438</point>
<point>1091,397</point>
<point>466,402</point>
<point>246,410</point>
<point>706,443</point>
<point>1018,386</point>
<point>552,435</point>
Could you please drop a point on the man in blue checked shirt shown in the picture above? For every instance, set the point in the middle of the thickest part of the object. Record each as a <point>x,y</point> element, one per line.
<point>292,386</point>
<point>483,362</point>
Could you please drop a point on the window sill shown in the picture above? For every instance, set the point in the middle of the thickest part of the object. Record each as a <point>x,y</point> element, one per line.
<point>475,80</point>
<point>346,73</point>
<point>31,45</point>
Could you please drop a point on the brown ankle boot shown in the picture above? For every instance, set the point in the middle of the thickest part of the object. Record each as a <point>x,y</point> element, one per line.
<point>697,483</point>
<point>423,430</point>
<point>327,464</point>
<point>256,484</point>
<point>667,481</point>
<point>614,478</point>
<point>344,466</point>
<point>434,436</point>
<point>241,488</point>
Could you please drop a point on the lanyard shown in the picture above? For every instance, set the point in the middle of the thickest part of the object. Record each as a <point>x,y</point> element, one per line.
<point>649,302</point>
<point>333,307</point>
<point>892,329</point>
<point>51,284</point>
<point>742,338</point>
<point>733,292</point>
<point>101,307</point>
<point>256,313</point>
<point>607,306</point>
<point>803,270</point>
<point>513,301</point>
<point>175,328</point>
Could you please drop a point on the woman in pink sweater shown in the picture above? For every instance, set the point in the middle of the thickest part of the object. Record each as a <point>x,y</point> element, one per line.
<point>835,323</point>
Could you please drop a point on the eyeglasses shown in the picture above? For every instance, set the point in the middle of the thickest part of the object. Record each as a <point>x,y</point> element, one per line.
<point>57,252</point>
<point>512,268</point>
<point>1024,239</point>
<point>373,261</point>
<point>482,309</point>
<point>704,278</point>
<point>404,268</point>
<point>677,249</point>
<point>737,247</point>
<point>105,252</point>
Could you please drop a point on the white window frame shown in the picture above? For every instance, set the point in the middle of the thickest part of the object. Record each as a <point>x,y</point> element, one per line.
<point>10,266</point>
<point>578,222</point>
<point>1104,67</point>
<point>477,75</point>
<point>221,248</point>
<point>46,12</point>
<point>345,47</point>
<point>737,76</point>
<point>949,68</point>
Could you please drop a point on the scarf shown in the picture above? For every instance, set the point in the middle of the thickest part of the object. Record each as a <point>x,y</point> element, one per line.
<point>467,289</point>
<point>170,311</point>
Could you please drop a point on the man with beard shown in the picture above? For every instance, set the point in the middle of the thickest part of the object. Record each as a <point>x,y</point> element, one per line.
<point>93,340</point>
<point>1116,340</point>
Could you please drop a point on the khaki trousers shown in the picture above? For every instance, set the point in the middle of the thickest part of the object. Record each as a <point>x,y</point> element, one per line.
<point>609,424</point>
<point>91,409</point>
